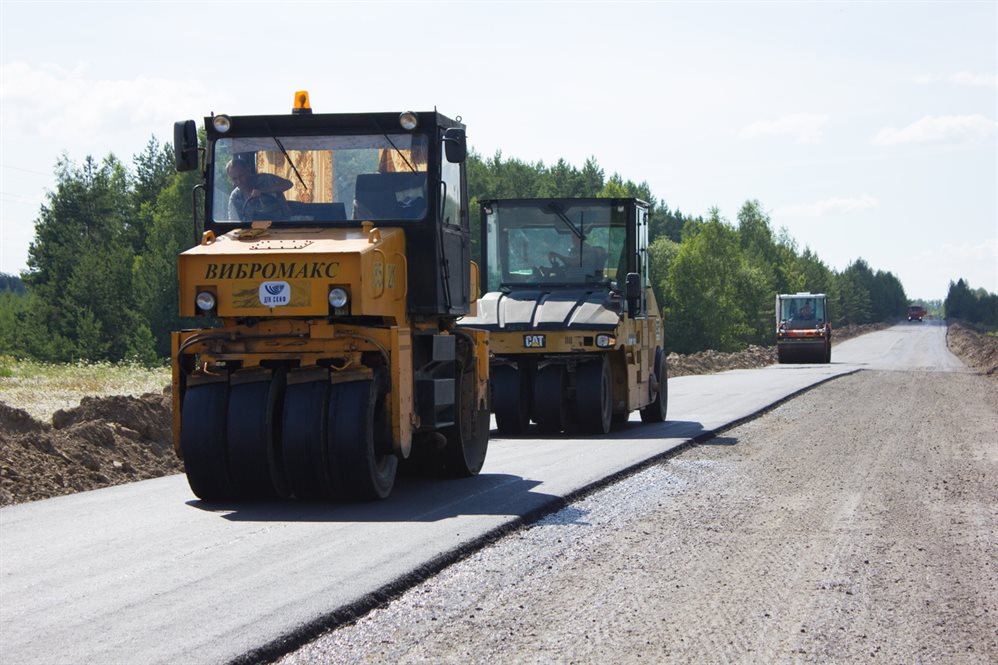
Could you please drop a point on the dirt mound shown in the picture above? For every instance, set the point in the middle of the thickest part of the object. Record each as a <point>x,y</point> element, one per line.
<point>977,350</point>
<point>105,441</point>
<point>18,421</point>
<point>708,362</point>
<point>148,416</point>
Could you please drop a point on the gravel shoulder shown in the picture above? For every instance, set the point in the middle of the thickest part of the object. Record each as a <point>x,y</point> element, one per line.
<point>857,522</point>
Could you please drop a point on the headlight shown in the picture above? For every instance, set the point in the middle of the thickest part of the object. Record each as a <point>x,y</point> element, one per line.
<point>408,120</point>
<point>605,341</point>
<point>205,301</point>
<point>337,298</point>
<point>221,123</point>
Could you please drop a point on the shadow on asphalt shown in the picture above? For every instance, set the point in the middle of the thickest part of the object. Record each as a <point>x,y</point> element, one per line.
<point>414,499</point>
<point>424,498</point>
<point>632,429</point>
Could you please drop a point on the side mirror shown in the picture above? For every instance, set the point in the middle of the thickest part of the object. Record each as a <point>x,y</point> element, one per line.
<point>632,292</point>
<point>455,145</point>
<point>185,145</point>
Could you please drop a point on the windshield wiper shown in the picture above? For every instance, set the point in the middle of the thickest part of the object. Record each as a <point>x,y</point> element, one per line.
<point>564,218</point>
<point>377,125</point>
<point>288,157</point>
<point>412,168</point>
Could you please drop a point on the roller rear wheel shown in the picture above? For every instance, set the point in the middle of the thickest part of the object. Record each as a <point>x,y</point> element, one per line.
<point>594,395</point>
<point>303,436</point>
<point>468,438</point>
<point>549,401</point>
<point>509,399</point>
<point>254,422</point>
<point>360,438</point>
<point>203,440</point>
<point>655,411</point>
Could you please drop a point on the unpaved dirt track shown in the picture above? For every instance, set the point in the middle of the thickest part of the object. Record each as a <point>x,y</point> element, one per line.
<point>855,523</point>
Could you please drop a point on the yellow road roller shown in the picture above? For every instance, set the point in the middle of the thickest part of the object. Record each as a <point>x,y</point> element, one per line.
<point>331,263</point>
<point>576,336</point>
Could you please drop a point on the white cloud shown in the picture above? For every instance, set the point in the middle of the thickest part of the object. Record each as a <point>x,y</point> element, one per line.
<point>960,253</point>
<point>975,80</point>
<point>939,129</point>
<point>977,263</point>
<point>54,102</point>
<point>972,79</point>
<point>803,127</point>
<point>833,206</point>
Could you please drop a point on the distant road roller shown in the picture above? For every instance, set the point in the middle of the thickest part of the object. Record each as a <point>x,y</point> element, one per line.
<point>803,331</point>
<point>576,336</point>
<point>330,269</point>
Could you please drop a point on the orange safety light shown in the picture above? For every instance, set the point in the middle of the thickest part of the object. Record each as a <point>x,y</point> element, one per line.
<point>301,103</point>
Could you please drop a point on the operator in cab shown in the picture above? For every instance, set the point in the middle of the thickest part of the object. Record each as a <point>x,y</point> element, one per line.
<point>256,195</point>
<point>593,258</point>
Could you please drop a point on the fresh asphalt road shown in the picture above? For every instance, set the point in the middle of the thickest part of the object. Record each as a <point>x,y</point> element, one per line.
<point>146,573</point>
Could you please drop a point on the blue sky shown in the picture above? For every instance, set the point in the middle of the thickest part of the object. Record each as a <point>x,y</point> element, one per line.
<point>865,129</point>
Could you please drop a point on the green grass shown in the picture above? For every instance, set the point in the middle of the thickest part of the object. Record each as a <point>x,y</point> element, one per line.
<point>41,389</point>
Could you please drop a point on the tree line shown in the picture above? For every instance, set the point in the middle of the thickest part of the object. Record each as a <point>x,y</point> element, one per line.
<point>101,282</point>
<point>972,305</point>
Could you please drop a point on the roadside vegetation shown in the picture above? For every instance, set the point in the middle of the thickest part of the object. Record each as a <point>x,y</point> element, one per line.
<point>101,280</point>
<point>42,388</point>
<point>974,306</point>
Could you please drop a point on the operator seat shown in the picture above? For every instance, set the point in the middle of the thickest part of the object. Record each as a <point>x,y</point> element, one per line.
<point>390,195</point>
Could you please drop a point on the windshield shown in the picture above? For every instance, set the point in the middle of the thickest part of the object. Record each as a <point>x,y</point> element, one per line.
<point>319,178</point>
<point>802,312</point>
<point>554,243</point>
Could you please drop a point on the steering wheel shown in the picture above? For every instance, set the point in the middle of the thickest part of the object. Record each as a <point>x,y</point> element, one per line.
<point>556,269</point>
<point>261,206</point>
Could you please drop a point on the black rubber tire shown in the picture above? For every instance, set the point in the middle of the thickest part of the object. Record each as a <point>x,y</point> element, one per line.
<point>656,410</point>
<point>549,409</point>
<point>468,438</point>
<point>510,393</point>
<point>203,440</point>
<point>303,440</point>
<point>594,395</point>
<point>253,431</point>
<point>360,438</point>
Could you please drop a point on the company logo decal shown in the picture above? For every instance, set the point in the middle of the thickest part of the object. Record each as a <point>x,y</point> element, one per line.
<point>254,295</point>
<point>275,294</point>
<point>534,341</point>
